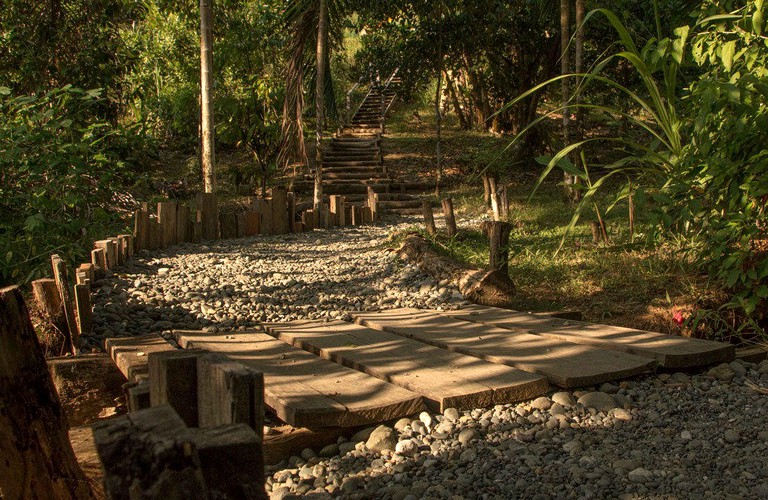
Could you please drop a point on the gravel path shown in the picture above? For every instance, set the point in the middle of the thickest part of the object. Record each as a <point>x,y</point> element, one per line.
<point>695,435</point>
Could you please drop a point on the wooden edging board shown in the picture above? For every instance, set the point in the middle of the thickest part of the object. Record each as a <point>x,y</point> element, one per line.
<point>445,379</point>
<point>131,354</point>
<point>304,390</point>
<point>669,351</point>
<point>563,363</point>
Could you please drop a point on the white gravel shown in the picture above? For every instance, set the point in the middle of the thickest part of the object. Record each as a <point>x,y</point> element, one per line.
<point>681,435</point>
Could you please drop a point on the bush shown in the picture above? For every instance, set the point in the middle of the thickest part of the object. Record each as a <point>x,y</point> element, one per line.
<point>60,167</point>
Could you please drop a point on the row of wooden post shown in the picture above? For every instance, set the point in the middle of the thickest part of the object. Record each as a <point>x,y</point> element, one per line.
<point>67,304</point>
<point>496,231</point>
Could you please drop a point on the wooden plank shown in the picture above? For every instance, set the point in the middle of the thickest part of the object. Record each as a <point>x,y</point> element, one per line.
<point>48,299</point>
<point>241,224</point>
<point>357,215</point>
<point>251,223</point>
<point>173,381</point>
<point>141,229</point>
<point>182,223</point>
<point>83,309</point>
<point>338,212</point>
<point>280,222</point>
<point>207,204</point>
<point>308,220</point>
<point>228,225</point>
<point>166,217</point>
<point>130,354</point>
<point>563,363</point>
<point>304,390</point>
<point>445,379</point>
<point>155,235</point>
<point>291,200</point>
<point>122,248</point>
<point>265,216</point>
<point>37,458</point>
<point>670,351</point>
<point>229,393</point>
<point>107,262</point>
<point>99,261</point>
<point>67,301</point>
<point>113,251</point>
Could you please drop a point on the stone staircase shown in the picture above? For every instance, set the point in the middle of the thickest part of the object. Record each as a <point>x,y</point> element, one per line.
<point>353,162</point>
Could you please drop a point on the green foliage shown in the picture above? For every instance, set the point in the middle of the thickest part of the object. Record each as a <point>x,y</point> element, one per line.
<point>60,166</point>
<point>697,153</point>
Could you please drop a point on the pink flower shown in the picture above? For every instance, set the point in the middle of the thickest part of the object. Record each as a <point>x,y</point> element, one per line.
<point>678,318</point>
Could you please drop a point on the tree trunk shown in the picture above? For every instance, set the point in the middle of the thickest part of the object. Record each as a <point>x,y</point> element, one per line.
<point>438,117</point>
<point>565,68</point>
<point>464,123</point>
<point>37,458</point>
<point>489,288</point>
<point>208,152</point>
<point>322,35</point>
<point>578,67</point>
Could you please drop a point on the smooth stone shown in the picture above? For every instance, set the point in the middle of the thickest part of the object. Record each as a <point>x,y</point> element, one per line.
<point>600,401</point>
<point>382,438</point>
<point>563,398</point>
<point>541,403</point>
<point>467,435</point>
<point>451,414</point>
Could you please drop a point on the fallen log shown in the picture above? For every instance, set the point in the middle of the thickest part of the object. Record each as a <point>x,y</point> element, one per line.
<point>480,286</point>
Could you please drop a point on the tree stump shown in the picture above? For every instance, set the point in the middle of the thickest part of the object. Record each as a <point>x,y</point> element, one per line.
<point>484,287</point>
<point>498,244</point>
<point>429,218</point>
<point>37,458</point>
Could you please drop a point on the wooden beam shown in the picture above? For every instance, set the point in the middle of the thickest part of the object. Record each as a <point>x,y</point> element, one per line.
<point>280,222</point>
<point>173,381</point>
<point>166,217</point>
<point>99,261</point>
<point>229,393</point>
<point>48,300</point>
<point>182,223</point>
<point>141,229</point>
<point>207,204</point>
<point>83,309</point>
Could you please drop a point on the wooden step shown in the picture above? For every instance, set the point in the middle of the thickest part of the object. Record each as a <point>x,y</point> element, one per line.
<point>353,175</point>
<point>445,379</point>
<point>394,204</point>
<point>352,169</point>
<point>396,197</point>
<point>304,390</point>
<point>351,163</point>
<point>403,211</point>
<point>563,363</point>
<point>669,351</point>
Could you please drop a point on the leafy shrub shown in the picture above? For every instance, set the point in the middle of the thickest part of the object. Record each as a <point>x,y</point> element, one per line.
<point>60,166</point>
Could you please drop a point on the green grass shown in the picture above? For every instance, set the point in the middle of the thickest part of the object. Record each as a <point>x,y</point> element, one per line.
<point>634,282</point>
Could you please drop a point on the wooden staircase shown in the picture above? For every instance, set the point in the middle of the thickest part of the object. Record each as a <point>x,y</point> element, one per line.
<point>353,162</point>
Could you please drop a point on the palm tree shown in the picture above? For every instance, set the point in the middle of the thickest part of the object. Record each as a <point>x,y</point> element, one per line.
<point>315,25</point>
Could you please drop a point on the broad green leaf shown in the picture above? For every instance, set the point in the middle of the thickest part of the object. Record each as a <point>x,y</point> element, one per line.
<point>726,54</point>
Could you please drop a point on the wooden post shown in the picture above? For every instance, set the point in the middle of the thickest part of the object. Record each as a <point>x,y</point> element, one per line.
<point>89,270</point>
<point>251,223</point>
<point>182,223</point>
<point>105,258</point>
<point>265,215</point>
<point>122,248</point>
<point>155,235</point>
<point>280,223</point>
<point>450,220</point>
<point>337,210</point>
<point>83,309</point>
<point>486,191</point>
<point>347,215</point>
<point>141,229</point>
<point>173,381</point>
<point>37,458</point>
<point>429,219</point>
<point>65,292</point>
<point>228,225</point>
<point>308,220</point>
<point>197,227</point>
<point>498,243</point>
<point>166,217</point>
<point>493,183</point>
<point>241,224</point>
<point>208,206</point>
<point>229,393</point>
<point>324,216</point>
<point>291,201</point>
<point>373,203</point>
<point>357,215</point>
<point>99,261</point>
<point>48,300</point>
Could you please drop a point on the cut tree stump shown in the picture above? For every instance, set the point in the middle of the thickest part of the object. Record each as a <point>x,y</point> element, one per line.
<point>489,288</point>
<point>37,458</point>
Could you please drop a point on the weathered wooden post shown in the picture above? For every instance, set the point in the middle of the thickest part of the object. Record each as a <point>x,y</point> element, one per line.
<point>498,243</point>
<point>83,309</point>
<point>173,381</point>
<point>65,292</point>
<point>429,218</point>
<point>208,206</point>
<point>450,220</point>
<point>37,458</point>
